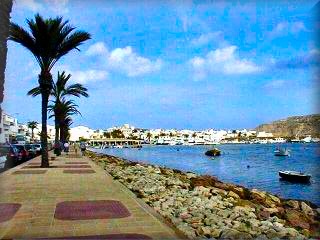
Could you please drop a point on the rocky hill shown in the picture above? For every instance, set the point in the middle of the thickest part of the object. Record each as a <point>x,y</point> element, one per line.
<point>294,126</point>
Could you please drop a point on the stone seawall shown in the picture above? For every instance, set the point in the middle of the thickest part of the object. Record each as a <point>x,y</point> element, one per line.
<point>204,207</point>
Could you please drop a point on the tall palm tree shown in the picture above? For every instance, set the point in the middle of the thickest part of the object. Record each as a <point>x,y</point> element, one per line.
<point>61,90</point>
<point>32,125</point>
<point>48,41</point>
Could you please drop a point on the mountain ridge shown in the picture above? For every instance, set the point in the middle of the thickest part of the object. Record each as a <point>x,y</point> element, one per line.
<point>295,126</point>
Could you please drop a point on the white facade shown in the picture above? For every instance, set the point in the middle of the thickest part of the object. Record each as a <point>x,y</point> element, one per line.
<point>264,135</point>
<point>80,132</point>
<point>8,127</point>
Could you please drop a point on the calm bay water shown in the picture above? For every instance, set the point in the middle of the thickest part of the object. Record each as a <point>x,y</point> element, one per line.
<point>231,166</point>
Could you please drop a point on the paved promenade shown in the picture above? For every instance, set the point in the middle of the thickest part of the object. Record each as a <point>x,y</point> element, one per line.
<point>74,198</point>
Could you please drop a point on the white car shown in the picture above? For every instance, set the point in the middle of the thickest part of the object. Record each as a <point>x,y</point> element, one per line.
<point>37,147</point>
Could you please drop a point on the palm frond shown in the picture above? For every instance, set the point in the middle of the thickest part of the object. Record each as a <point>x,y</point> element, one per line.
<point>34,92</point>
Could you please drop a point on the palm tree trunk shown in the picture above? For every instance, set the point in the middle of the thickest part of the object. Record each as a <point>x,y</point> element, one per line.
<point>44,137</point>
<point>32,136</point>
<point>5,9</point>
<point>57,149</point>
<point>62,131</point>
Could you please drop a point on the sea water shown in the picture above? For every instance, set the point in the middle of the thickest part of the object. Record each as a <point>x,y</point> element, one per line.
<point>249,165</point>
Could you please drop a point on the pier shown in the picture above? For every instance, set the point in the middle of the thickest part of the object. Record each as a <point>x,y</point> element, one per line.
<point>114,142</point>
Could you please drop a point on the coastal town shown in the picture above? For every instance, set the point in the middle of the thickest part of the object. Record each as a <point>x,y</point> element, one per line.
<point>13,131</point>
<point>159,120</point>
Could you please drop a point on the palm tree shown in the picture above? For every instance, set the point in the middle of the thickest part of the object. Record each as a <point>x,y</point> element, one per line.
<point>65,127</point>
<point>32,125</point>
<point>60,90</point>
<point>62,111</point>
<point>48,41</point>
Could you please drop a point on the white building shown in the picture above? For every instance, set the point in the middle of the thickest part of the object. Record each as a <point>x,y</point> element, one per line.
<point>8,127</point>
<point>264,135</point>
<point>80,132</point>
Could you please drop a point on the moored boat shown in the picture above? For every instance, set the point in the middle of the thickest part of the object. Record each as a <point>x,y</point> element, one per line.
<point>294,176</point>
<point>213,152</point>
<point>282,152</point>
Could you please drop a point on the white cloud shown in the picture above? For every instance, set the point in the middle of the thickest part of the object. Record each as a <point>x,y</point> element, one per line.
<point>88,76</point>
<point>206,38</point>
<point>124,60</point>
<point>29,4</point>
<point>127,61</point>
<point>81,76</point>
<point>222,60</point>
<point>285,28</point>
<point>56,6</point>
<point>97,49</point>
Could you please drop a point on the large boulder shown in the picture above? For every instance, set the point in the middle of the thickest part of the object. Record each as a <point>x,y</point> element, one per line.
<point>292,204</point>
<point>297,219</point>
<point>205,181</point>
<point>306,209</point>
<point>257,195</point>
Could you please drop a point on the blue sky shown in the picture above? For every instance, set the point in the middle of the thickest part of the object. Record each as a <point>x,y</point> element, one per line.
<point>178,64</point>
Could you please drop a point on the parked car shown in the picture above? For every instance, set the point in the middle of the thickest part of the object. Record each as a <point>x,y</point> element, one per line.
<point>23,152</point>
<point>10,155</point>
<point>38,147</point>
<point>31,149</point>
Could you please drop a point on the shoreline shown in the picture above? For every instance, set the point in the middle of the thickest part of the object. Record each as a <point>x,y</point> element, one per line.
<point>203,206</point>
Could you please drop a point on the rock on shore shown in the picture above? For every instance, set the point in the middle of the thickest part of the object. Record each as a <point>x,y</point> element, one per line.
<point>204,207</point>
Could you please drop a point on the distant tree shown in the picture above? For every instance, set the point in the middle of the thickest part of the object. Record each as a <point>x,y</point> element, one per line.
<point>32,125</point>
<point>117,133</point>
<point>162,134</point>
<point>82,139</point>
<point>107,135</point>
<point>194,135</point>
<point>149,135</point>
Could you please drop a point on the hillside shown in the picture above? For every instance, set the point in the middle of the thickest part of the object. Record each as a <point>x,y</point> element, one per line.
<point>294,126</point>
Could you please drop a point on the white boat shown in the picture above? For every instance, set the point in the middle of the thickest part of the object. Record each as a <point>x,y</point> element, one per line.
<point>263,141</point>
<point>279,140</point>
<point>307,139</point>
<point>315,140</point>
<point>118,146</point>
<point>282,152</point>
<point>199,141</point>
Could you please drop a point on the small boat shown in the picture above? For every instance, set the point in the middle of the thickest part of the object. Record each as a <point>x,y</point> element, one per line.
<point>294,176</point>
<point>282,152</point>
<point>213,152</point>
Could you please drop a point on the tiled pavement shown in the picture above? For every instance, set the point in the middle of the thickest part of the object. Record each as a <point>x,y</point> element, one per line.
<point>70,200</point>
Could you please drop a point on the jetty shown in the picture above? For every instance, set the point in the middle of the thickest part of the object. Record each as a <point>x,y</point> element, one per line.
<point>114,142</point>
